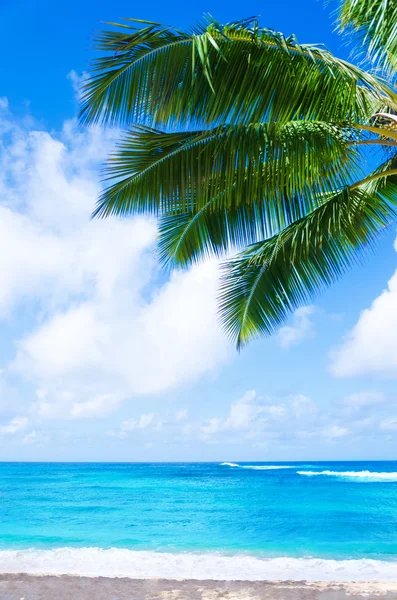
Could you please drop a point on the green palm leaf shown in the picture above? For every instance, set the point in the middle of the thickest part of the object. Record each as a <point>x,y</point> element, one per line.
<point>285,167</point>
<point>232,73</point>
<point>189,237</point>
<point>264,283</point>
<point>375,22</point>
<point>241,137</point>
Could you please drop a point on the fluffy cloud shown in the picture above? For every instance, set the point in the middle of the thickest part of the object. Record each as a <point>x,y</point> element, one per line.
<point>301,328</point>
<point>150,422</point>
<point>259,418</point>
<point>99,326</point>
<point>77,81</point>
<point>144,422</point>
<point>371,346</point>
<point>389,424</point>
<point>251,412</point>
<point>259,422</point>
<point>302,406</point>
<point>335,432</point>
<point>14,426</point>
<point>37,438</point>
<point>365,398</point>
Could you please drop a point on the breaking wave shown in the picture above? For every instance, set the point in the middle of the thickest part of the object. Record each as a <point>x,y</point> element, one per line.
<point>359,475</point>
<point>258,467</point>
<point>118,562</point>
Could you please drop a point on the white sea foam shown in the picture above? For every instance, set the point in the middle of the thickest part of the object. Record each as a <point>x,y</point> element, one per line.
<point>267,467</point>
<point>258,467</point>
<point>359,475</point>
<point>117,562</point>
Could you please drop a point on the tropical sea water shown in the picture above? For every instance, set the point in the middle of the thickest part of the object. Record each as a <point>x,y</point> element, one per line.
<point>202,520</point>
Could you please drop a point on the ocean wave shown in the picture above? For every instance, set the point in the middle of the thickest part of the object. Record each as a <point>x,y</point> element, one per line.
<point>359,475</point>
<point>267,467</point>
<point>258,467</point>
<point>118,562</point>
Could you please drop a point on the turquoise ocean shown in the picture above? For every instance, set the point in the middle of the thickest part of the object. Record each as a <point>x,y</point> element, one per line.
<point>324,521</point>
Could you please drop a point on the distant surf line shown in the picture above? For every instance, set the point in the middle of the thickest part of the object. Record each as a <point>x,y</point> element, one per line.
<point>258,467</point>
<point>359,475</point>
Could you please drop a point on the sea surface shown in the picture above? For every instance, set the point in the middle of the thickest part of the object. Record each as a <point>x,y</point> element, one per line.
<point>324,521</point>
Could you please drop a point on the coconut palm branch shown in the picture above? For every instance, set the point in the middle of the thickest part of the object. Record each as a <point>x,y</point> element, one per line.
<point>375,23</point>
<point>264,283</point>
<point>238,72</point>
<point>237,137</point>
<point>312,227</point>
<point>165,173</point>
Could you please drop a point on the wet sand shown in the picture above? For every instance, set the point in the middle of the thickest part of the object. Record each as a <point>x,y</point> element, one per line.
<point>66,587</point>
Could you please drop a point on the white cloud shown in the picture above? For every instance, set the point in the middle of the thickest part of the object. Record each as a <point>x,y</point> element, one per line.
<point>77,82</point>
<point>371,346</point>
<point>96,407</point>
<point>389,424</point>
<point>260,422</point>
<point>128,346</point>
<point>335,432</point>
<point>302,405</point>
<point>14,426</point>
<point>244,412</point>
<point>301,329</point>
<point>146,421</point>
<point>67,405</point>
<point>100,329</point>
<point>181,415</point>
<point>251,412</point>
<point>153,422</point>
<point>365,398</point>
<point>38,438</point>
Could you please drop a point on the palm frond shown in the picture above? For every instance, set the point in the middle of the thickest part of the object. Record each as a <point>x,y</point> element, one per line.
<point>375,22</point>
<point>264,283</point>
<point>232,73</point>
<point>285,167</point>
<point>186,238</point>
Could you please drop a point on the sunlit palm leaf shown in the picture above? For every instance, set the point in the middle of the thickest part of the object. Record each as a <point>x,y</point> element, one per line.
<point>375,22</point>
<point>265,282</point>
<point>284,166</point>
<point>232,73</point>
<point>263,152</point>
<point>190,237</point>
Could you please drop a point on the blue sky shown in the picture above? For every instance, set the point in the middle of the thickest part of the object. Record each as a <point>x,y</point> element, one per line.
<point>103,356</point>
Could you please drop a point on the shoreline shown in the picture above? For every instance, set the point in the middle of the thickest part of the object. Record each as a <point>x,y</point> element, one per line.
<point>94,562</point>
<point>65,587</point>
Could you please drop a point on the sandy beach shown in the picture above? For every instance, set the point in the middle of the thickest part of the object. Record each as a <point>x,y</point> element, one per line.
<point>65,587</point>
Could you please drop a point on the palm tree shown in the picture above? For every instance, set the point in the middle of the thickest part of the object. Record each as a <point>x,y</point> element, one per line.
<point>249,146</point>
<point>375,21</point>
